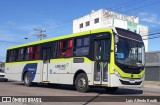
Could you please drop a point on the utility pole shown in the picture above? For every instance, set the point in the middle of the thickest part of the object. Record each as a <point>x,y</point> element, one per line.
<point>40,35</point>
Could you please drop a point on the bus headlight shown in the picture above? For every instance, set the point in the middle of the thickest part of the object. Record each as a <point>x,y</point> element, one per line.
<point>143,76</point>
<point>116,72</point>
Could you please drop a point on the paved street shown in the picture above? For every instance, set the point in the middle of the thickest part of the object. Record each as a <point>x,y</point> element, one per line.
<point>12,88</point>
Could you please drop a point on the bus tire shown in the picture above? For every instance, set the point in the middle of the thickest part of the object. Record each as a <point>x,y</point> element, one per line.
<point>81,83</point>
<point>6,80</point>
<point>111,89</point>
<point>27,81</point>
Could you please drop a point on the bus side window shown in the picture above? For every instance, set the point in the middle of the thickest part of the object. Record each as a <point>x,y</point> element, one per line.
<point>16,55</point>
<point>7,59</point>
<point>11,56</point>
<point>69,48</point>
<point>65,48</point>
<point>26,53</point>
<point>37,51</point>
<point>20,54</point>
<point>60,49</point>
<point>31,49</point>
<point>81,46</point>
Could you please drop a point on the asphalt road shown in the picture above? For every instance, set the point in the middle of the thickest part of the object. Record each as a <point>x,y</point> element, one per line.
<point>13,88</point>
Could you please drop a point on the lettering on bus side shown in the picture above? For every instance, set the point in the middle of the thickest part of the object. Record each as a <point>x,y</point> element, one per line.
<point>62,66</point>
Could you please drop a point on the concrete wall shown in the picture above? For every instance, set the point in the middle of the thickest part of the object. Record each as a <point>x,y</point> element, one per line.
<point>152,66</point>
<point>152,73</point>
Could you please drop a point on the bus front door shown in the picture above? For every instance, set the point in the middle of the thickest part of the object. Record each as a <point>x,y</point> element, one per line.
<point>101,54</point>
<point>46,60</point>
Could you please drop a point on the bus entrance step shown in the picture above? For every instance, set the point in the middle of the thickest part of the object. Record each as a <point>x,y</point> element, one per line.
<point>45,82</point>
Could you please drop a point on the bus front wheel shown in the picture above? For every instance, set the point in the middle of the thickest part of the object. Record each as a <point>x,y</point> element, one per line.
<point>27,80</point>
<point>81,83</point>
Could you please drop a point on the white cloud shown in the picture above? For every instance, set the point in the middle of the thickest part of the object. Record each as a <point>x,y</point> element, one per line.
<point>33,33</point>
<point>149,18</point>
<point>11,22</point>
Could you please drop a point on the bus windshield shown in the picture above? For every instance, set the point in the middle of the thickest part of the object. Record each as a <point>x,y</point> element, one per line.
<point>130,52</point>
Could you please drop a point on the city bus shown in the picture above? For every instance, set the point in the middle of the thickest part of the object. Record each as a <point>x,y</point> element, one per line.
<point>105,57</point>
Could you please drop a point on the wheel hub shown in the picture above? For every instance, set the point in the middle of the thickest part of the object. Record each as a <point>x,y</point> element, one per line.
<point>82,83</point>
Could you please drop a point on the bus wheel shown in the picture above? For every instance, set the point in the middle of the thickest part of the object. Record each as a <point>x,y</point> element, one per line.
<point>111,89</point>
<point>81,83</point>
<point>6,80</point>
<point>27,81</point>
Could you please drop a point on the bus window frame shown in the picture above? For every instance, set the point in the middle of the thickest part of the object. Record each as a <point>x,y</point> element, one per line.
<point>55,48</point>
<point>17,55</point>
<point>58,48</point>
<point>89,46</point>
<point>100,36</point>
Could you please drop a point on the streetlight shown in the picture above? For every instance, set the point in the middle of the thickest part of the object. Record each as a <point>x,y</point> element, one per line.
<point>28,39</point>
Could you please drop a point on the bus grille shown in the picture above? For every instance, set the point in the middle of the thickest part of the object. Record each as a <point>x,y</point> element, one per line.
<point>128,83</point>
<point>1,75</point>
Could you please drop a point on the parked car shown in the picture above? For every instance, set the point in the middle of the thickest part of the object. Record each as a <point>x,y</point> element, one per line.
<point>2,76</point>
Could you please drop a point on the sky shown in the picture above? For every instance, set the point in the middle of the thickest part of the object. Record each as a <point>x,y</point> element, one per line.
<point>18,18</point>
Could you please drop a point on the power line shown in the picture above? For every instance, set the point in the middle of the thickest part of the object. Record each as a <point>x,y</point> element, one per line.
<point>68,21</point>
<point>152,34</point>
<point>118,7</point>
<point>1,41</point>
<point>155,35</point>
<point>155,29</point>
<point>153,38</point>
<point>65,22</point>
<point>129,3</point>
<point>147,5</point>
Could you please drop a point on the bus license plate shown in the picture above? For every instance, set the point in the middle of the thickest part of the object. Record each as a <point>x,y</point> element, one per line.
<point>132,81</point>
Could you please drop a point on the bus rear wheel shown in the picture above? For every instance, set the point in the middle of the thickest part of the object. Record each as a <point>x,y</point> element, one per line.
<point>27,80</point>
<point>81,83</point>
<point>111,89</point>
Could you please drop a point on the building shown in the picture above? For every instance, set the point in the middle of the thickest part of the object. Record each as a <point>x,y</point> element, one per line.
<point>105,18</point>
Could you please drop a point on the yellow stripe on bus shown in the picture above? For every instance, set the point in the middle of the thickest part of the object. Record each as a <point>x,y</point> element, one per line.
<point>64,36</point>
<point>52,60</point>
<point>24,62</point>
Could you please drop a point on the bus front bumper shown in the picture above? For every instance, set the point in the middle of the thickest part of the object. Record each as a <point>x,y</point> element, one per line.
<point>117,81</point>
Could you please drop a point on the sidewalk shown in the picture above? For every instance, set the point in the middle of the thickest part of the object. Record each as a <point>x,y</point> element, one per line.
<point>152,84</point>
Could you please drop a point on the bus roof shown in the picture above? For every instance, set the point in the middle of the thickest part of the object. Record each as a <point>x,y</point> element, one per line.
<point>63,37</point>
